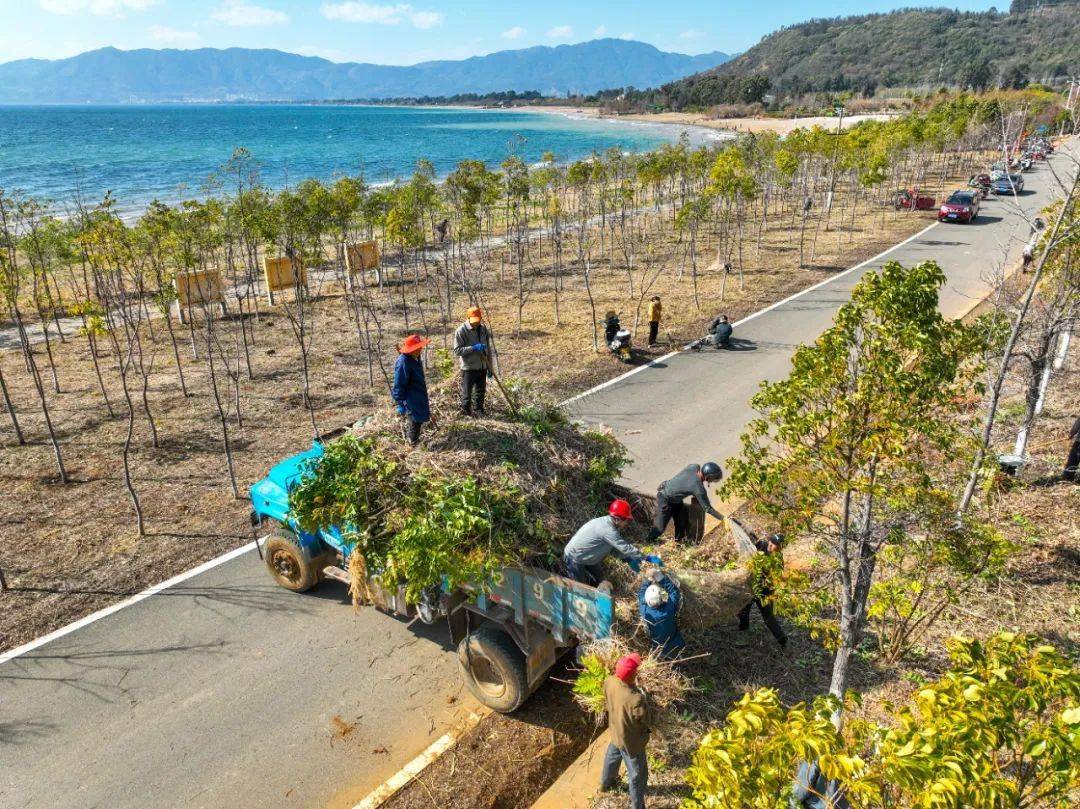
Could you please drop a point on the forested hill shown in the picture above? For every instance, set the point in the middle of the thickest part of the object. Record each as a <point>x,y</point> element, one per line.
<point>1036,41</point>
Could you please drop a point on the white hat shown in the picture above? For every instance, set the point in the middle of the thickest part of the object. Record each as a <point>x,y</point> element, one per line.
<point>654,596</point>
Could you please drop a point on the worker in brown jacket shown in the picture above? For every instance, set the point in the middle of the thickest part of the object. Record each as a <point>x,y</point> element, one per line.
<point>628,721</point>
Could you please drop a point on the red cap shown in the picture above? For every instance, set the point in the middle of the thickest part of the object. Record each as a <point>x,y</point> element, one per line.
<point>621,509</point>
<point>412,343</point>
<point>627,666</point>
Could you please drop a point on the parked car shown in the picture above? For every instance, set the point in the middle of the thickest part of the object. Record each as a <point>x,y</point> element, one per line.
<point>906,200</point>
<point>961,206</point>
<point>1007,183</point>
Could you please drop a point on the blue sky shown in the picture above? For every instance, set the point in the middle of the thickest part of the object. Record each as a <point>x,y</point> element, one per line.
<point>401,33</point>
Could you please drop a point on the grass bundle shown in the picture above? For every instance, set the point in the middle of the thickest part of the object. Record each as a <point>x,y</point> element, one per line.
<point>662,681</point>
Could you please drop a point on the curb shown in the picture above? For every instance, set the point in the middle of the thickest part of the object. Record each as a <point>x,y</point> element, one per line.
<point>579,783</point>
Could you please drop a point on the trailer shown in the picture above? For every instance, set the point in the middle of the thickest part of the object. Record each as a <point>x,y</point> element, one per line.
<point>509,631</point>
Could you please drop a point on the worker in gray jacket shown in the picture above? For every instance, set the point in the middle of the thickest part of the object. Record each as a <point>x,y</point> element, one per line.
<point>585,552</point>
<point>690,482</point>
<point>472,344</point>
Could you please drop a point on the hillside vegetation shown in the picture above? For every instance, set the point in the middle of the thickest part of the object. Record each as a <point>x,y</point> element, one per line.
<point>905,48</point>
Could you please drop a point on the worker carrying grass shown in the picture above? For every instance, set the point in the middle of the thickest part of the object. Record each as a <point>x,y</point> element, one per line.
<point>409,390</point>
<point>658,604</point>
<point>472,345</point>
<point>629,722</point>
<point>585,552</point>
<point>672,493</point>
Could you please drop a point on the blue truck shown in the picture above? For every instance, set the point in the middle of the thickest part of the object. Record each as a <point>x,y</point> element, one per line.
<point>509,631</point>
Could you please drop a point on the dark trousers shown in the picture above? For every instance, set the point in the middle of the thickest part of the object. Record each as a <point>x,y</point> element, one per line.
<point>411,430</point>
<point>767,615</point>
<point>654,329</point>
<point>473,390</point>
<point>666,511</point>
<point>591,575</point>
<point>1072,462</point>
<point>637,773</point>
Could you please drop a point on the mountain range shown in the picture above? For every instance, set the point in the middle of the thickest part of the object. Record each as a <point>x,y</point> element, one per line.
<point>112,76</point>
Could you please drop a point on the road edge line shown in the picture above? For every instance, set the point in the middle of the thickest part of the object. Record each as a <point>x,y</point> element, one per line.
<point>86,620</point>
<point>392,785</point>
<point>752,315</point>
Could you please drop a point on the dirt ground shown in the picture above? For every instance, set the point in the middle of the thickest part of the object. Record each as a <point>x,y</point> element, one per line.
<point>70,549</point>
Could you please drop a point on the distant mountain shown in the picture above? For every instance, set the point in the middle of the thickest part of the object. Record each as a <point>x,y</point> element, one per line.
<point>111,76</point>
<point>1037,41</point>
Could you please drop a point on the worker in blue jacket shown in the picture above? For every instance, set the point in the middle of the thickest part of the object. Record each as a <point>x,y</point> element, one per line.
<point>658,604</point>
<point>409,390</point>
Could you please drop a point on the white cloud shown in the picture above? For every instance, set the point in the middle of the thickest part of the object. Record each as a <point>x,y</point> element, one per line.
<point>99,8</point>
<point>626,35</point>
<point>561,32</point>
<point>517,32</point>
<point>381,15</point>
<point>691,33</point>
<point>164,35</point>
<point>601,31</point>
<point>241,14</point>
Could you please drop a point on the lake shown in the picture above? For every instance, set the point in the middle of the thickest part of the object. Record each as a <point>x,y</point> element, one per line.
<point>168,152</point>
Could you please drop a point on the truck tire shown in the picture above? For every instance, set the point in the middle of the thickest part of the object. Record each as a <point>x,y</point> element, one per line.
<point>287,562</point>
<point>493,669</point>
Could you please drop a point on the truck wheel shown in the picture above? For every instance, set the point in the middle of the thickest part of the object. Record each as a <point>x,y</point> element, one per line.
<point>287,563</point>
<point>494,669</point>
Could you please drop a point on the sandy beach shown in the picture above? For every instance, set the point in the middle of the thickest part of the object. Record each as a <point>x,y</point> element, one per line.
<point>782,126</point>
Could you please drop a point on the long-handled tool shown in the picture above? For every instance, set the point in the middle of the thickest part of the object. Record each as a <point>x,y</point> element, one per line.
<point>502,388</point>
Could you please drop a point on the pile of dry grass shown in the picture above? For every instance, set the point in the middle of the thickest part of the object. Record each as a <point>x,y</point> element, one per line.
<point>663,682</point>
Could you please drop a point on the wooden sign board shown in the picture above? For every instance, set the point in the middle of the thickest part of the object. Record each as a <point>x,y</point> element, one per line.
<point>362,256</point>
<point>196,289</point>
<point>283,273</point>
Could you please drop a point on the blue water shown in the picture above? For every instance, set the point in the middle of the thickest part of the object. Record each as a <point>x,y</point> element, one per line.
<point>168,152</point>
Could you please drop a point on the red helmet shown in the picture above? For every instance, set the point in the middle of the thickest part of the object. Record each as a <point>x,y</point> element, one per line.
<point>621,509</point>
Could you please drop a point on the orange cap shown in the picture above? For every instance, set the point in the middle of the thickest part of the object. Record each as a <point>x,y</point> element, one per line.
<point>413,343</point>
<point>475,315</point>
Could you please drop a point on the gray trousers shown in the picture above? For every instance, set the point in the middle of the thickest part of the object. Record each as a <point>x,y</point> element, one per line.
<point>637,773</point>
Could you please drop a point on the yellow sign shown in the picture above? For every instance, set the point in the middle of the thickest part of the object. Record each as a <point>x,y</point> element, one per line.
<point>362,256</point>
<point>283,273</point>
<point>196,289</point>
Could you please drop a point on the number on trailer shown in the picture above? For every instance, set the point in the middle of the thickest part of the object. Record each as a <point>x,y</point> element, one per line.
<point>538,591</point>
<point>581,607</point>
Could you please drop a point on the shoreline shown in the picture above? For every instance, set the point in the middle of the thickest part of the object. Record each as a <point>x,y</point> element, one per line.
<point>717,128</point>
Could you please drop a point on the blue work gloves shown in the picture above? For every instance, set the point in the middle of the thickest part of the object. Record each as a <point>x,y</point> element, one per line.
<point>656,560</point>
<point>479,347</point>
<point>635,564</point>
<point>401,410</point>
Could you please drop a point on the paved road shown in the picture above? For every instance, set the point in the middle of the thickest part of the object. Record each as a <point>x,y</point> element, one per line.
<point>690,407</point>
<point>228,691</point>
<point>224,691</point>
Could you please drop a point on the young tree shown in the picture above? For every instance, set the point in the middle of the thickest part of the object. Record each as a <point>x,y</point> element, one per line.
<point>849,447</point>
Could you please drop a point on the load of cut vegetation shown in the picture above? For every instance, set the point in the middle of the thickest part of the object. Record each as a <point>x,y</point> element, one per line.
<point>474,497</point>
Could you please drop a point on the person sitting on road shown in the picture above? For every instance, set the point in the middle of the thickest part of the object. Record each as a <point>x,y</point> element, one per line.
<point>409,389</point>
<point>629,722</point>
<point>670,497</point>
<point>720,331</point>
<point>585,553</point>
<point>762,592</point>
<point>658,604</point>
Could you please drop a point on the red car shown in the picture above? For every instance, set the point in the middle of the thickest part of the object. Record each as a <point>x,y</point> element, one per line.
<point>904,199</point>
<point>961,206</point>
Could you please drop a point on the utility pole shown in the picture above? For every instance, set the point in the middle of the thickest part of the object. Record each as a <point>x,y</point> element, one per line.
<point>839,110</point>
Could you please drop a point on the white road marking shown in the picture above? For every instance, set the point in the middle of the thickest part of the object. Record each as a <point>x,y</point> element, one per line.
<point>135,599</point>
<point>751,316</point>
<point>407,773</point>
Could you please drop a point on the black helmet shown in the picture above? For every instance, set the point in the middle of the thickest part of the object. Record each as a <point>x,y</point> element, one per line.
<point>710,470</point>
